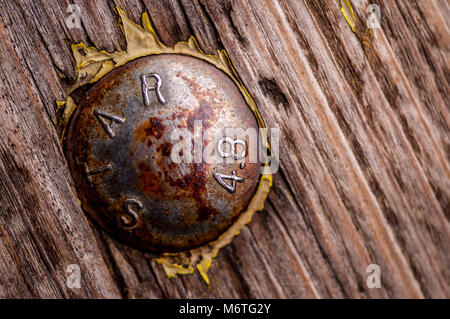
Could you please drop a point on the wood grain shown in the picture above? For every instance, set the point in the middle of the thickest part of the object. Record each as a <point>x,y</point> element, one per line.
<point>365,150</point>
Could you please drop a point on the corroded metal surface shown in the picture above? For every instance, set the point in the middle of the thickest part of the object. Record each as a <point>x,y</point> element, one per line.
<point>119,149</point>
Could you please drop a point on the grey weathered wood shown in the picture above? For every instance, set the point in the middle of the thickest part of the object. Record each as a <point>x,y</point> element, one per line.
<point>365,150</point>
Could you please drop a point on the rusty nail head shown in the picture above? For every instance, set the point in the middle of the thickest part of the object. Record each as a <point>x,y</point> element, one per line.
<point>119,147</point>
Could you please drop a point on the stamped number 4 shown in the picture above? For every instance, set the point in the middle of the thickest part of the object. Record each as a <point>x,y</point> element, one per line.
<point>230,188</point>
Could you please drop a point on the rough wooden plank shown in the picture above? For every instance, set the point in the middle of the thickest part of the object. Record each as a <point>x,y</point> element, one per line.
<point>343,139</point>
<point>42,227</point>
<point>364,151</point>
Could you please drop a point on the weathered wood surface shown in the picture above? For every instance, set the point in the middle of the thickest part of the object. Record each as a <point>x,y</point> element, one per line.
<point>364,156</point>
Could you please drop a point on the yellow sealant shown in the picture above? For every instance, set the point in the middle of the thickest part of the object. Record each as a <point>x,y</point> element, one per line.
<point>348,13</point>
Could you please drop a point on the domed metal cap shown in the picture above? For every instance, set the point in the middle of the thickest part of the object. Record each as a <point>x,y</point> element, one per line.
<point>136,148</point>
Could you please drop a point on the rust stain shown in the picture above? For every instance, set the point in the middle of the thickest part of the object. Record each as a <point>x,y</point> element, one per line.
<point>164,180</point>
<point>209,101</point>
<point>152,127</point>
<point>149,181</point>
<point>204,113</point>
<point>165,149</point>
<point>205,213</point>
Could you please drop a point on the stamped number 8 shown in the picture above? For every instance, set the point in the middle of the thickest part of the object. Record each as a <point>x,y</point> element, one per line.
<point>232,152</point>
